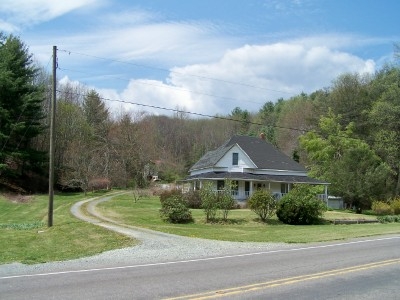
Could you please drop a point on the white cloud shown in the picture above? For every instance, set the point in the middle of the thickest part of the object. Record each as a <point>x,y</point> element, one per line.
<point>20,13</point>
<point>253,74</point>
<point>246,77</point>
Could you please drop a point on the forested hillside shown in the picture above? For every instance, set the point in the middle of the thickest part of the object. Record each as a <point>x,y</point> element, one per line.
<point>347,133</point>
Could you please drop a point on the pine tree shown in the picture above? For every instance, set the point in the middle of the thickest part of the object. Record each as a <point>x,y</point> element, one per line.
<point>20,111</point>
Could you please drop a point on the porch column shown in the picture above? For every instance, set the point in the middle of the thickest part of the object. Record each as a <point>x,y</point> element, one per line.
<point>326,194</point>
<point>251,188</point>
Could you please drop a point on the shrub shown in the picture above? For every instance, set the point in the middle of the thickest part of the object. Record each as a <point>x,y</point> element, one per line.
<point>395,205</point>
<point>174,210</point>
<point>300,206</point>
<point>381,208</point>
<point>263,203</point>
<point>170,193</point>
<point>99,184</point>
<point>389,219</point>
<point>225,202</point>
<point>209,201</point>
<point>193,199</point>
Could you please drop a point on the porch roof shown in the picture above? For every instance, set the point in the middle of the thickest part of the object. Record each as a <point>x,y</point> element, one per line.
<point>255,177</point>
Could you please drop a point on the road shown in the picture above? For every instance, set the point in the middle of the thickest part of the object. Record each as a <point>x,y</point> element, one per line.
<point>358,269</point>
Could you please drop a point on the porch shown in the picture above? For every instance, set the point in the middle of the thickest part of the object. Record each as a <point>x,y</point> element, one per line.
<point>244,195</point>
<point>241,190</point>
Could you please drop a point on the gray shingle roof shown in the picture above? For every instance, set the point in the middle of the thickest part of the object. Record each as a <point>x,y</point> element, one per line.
<point>262,153</point>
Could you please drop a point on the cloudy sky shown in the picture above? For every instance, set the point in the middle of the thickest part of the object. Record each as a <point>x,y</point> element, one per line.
<point>204,56</point>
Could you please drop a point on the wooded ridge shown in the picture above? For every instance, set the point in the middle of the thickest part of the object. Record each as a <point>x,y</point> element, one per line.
<point>347,134</point>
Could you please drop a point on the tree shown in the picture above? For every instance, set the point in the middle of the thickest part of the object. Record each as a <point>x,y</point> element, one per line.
<point>294,120</point>
<point>20,111</point>
<point>385,120</point>
<point>263,203</point>
<point>397,51</point>
<point>350,97</point>
<point>243,117</point>
<point>97,116</point>
<point>355,172</point>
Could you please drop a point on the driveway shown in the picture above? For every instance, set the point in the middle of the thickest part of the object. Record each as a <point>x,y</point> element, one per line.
<point>152,247</point>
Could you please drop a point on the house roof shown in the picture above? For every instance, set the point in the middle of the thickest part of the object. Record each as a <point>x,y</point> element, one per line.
<point>256,177</point>
<point>261,152</point>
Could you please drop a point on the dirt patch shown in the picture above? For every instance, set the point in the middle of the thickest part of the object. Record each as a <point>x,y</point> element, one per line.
<point>17,198</point>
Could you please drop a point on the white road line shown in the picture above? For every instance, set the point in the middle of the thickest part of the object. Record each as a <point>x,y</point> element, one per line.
<point>199,259</point>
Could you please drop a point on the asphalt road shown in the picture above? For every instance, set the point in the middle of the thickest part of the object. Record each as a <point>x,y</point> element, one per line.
<point>359,269</point>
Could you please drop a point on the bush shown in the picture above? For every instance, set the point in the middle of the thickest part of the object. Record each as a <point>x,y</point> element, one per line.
<point>209,202</point>
<point>193,199</point>
<point>99,184</point>
<point>381,208</point>
<point>174,210</point>
<point>389,219</point>
<point>395,205</point>
<point>225,203</point>
<point>170,193</point>
<point>263,203</point>
<point>300,206</point>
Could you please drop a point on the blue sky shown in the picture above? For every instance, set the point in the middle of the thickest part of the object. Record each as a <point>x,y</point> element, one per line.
<point>205,56</point>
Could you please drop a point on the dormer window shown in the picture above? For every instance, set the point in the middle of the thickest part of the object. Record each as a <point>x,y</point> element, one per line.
<point>235,159</point>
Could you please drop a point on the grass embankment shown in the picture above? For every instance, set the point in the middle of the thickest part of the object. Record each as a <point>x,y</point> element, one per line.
<point>25,237</point>
<point>242,224</point>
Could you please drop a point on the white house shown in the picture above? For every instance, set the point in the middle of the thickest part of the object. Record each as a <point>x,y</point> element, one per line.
<point>250,163</point>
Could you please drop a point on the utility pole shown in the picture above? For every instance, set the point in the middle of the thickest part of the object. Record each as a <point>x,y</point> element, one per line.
<point>52,138</point>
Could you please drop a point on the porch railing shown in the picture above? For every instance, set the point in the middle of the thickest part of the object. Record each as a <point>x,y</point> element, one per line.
<point>244,195</point>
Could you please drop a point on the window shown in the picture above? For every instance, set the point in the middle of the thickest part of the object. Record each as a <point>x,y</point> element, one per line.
<point>285,187</point>
<point>220,185</point>
<point>235,159</point>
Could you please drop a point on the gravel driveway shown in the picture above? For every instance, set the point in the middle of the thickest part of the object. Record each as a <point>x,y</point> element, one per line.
<point>153,247</point>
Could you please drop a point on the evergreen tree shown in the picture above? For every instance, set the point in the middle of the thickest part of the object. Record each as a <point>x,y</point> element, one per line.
<point>20,111</point>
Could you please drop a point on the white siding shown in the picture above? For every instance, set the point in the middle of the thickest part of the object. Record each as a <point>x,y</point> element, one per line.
<point>244,161</point>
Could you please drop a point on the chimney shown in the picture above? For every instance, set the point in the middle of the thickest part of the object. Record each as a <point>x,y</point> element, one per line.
<point>262,136</point>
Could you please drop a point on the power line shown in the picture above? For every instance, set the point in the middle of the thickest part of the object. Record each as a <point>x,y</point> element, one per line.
<point>166,87</point>
<point>302,131</point>
<point>191,113</point>
<point>175,72</point>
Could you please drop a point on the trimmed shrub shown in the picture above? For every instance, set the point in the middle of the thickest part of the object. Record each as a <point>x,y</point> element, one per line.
<point>395,205</point>
<point>300,206</point>
<point>174,210</point>
<point>263,203</point>
<point>381,208</point>
<point>193,199</point>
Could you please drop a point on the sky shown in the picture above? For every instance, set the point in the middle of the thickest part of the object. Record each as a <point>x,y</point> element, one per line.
<point>204,56</point>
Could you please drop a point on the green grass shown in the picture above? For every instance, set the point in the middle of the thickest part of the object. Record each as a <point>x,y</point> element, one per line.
<point>243,225</point>
<point>25,237</point>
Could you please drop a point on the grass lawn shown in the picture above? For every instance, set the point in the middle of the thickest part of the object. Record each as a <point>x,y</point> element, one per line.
<point>243,225</point>
<point>25,237</point>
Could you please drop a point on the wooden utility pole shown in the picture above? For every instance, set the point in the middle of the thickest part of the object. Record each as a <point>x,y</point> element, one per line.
<point>52,138</point>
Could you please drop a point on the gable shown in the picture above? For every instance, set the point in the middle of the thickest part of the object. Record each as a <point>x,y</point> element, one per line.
<point>260,153</point>
<point>227,160</point>
<point>265,155</point>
